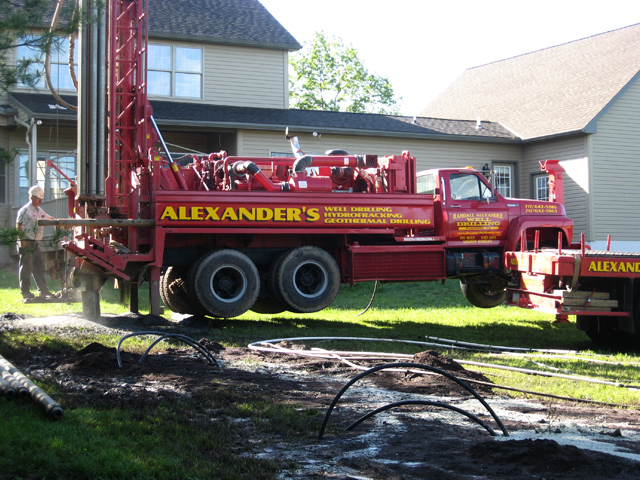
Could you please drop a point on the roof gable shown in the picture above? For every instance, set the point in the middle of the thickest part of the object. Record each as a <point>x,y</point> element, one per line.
<point>553,91</point>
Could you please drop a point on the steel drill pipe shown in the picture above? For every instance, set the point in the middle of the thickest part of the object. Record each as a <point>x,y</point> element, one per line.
<point>52,408</point>
<point>6,389</point>
<point>97,222</point>
<point>17,387</point>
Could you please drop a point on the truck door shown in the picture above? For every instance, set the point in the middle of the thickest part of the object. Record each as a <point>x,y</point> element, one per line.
<point>473,215</point>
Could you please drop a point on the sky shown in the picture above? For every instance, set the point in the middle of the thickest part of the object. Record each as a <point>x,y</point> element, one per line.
<point>422,46</point>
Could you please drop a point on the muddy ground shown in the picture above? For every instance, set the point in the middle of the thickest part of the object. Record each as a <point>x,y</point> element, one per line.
<point>548,439</point>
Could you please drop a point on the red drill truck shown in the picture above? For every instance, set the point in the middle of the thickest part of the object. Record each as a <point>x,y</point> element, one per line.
<point>219,235</point>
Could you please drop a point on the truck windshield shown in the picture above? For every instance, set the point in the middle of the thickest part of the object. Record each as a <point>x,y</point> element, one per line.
<point>466,186</point>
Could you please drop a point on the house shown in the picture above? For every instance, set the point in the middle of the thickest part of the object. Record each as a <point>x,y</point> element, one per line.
<point>218,80</point>
<point>579,103</point>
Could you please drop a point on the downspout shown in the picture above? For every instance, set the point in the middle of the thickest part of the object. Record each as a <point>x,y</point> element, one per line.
<point>31,137</point>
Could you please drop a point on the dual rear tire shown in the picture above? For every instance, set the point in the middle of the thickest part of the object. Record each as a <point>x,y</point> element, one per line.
<point>226,283</point>
<point>305,279</point>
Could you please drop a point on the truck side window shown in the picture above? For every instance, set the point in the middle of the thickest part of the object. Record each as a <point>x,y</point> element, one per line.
<point>426,184</point>
<point>468,187</point>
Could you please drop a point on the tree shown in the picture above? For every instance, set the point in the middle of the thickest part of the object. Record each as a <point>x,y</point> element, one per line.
<point>329,76</point>
<point>23,24</point>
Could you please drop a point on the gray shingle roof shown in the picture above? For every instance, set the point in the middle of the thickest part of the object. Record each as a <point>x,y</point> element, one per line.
<point>553,91</point>
<point>208,117</point>
<point>239,22</point>
<point>234,22</point>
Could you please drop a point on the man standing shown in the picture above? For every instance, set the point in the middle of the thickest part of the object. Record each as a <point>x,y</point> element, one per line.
<point>31,257</point>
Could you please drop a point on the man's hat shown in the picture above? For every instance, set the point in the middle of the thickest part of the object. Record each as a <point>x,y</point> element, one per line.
<point>36,191</point>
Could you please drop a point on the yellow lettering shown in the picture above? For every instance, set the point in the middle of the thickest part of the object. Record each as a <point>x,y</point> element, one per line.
<point>313,215</point>
<point>264,214</point>
<point>212,213</point>
<point>182,213</point>
<point>169,213</point>
<point>293,214</point>
<point>230,214</point>
<point>245,214</point>
<point>280,214</point>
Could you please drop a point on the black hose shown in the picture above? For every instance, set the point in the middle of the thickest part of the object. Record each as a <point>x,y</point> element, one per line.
<point>302,163</point>
<point>422,402</point>
<point>409,365</point>
<point>197,345</point>
<point>202,350</point>
<point>373,295</point>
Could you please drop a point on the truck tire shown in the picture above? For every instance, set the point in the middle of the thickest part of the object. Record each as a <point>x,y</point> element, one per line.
<point>307,279</point>
<point>483,295</point>
<point>173,291</point>
<point>226,283</point>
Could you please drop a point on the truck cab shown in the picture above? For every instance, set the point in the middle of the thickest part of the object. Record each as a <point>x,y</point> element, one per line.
<point>479,225</point>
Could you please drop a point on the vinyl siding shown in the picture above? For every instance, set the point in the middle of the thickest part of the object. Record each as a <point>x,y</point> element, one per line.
<point>236,76</point>
<point>573,155</point>
<point>245,77</point>
<point>429,154</point>
<point>615,156</point>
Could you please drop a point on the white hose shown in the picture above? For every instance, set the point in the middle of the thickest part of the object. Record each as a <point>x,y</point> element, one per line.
<point>270,346</point>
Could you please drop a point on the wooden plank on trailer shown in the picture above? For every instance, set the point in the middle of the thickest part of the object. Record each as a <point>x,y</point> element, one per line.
<point>595,303</point>
<point>582,294</point>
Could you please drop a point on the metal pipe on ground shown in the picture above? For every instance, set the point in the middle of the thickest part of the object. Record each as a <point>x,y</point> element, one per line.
<point>43,400</point>
<point>18,388</point>
<point>6,389</point>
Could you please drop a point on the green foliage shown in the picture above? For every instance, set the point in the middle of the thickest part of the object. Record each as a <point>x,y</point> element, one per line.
<point>329,76</point>
<point>29,20</point>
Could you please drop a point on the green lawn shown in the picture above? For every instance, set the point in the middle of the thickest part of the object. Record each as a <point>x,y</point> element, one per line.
<point>99,442</point>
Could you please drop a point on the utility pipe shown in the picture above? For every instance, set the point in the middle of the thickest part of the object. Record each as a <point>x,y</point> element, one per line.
<point>6,389</point>
<point>43,400</point>
<point>17,387</point>
<point>97,222</point>
<point>495,347</point>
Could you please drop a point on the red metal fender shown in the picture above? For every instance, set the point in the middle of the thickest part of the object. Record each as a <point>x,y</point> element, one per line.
<point>520,224</point>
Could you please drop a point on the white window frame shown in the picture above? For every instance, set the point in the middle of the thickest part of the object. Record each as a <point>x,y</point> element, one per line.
<point>53,183</point>
<point>541,187</point>
<point>504,180</point>
<point>174,72</point>
<point>58,62</point>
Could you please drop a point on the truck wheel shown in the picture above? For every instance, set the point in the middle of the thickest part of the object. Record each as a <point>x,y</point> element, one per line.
<point>173,291</point>
<point>483,295</point>
<point>307,279</point>
<point>226,283</point>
